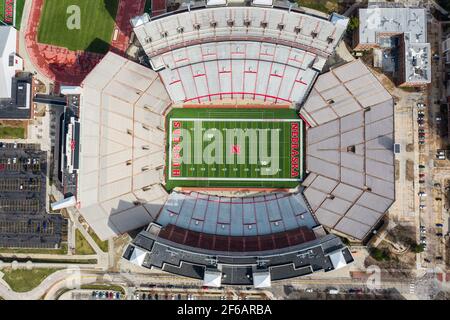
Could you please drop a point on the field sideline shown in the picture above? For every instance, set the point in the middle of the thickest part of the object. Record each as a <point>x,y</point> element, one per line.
<point>234,148</point>
<point>97,24</point>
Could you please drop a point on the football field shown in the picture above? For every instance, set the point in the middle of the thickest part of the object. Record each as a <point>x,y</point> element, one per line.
<point>85,25</point>
<point>234,148</point>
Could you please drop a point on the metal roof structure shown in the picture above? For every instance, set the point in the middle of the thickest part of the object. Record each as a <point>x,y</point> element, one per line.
<point>350,156</point>
<point>249,216</point>
<point>377,22</point>
<point>238,267</point>
<point>121,150</point>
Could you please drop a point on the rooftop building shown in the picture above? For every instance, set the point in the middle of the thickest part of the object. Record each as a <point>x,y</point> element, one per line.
<point>410,24</point>
<point>15,92</point>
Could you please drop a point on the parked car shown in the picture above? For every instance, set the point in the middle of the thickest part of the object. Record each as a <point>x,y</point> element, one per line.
<point>421,181</point>
<point>439,234</point>
<point>439,225</point>
<point>420,105</point>
<point>422,206</point>
<point>421,166</point>
<point>422,194</point>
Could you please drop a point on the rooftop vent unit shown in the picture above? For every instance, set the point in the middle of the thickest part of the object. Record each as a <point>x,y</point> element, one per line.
<point>297,29</point>
<point>247,22</point>
<point>330,101</point>
<point>280,26</point>
<point>330,39</point>
<point>164,34</point>
<point>314,34</point>
<point>130,132</point>
<point>213,24</point>
<point>148,39</point>
<point>180,29</point>
<point>145,168</point>
<point>196,26</point>
<point>264,24</point>
<point>351,149</point>
<point>230,22</point>
<point>145,127</point>
<point>129,162</point>
<point>146,147</point>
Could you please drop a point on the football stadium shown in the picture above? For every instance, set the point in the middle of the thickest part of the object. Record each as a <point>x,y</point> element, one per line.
<point>234,153</point>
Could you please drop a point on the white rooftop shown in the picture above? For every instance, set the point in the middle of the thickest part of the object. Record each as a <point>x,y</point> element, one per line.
<point>377,22</point>
<point>8,42</point>
<point>261,279</point>
<point>212,279</point>
<point>338,260</point>
<point>138,256</point>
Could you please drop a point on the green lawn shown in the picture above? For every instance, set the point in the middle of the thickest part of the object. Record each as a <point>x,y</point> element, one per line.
<point>19,11</point>
<point>12,132</point>
<point>2,9</point>
<point>327,6</point>
<point>81,245</point>
<point>22,280</point>
<point>62,250</point>
<point>102,244</point>
<point>96,27</point>
<point>148,6</point>
<point>234,148</point>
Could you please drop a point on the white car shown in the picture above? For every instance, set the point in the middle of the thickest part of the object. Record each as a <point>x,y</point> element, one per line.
<point>422,194</point>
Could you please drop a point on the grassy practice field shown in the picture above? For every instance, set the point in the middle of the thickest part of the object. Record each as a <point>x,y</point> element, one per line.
<point>234,148</point>
<point>97,19</point>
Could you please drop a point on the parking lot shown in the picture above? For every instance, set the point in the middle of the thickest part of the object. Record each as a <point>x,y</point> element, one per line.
<point>24,221</point>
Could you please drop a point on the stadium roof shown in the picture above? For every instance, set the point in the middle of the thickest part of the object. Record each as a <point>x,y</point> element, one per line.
<point>122,149</point>
<point>243,267</point>
<point>376,22</point>
<point>350,156</point>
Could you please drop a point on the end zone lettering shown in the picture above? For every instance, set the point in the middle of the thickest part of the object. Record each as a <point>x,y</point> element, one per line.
<point>295,133</point>
<point>176,149</point>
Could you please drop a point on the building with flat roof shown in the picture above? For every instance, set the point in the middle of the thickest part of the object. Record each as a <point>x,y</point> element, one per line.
<point>379,23</point>
<point>15,92</point>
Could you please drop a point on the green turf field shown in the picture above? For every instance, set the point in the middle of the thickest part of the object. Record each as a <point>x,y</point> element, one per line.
<point>234,148</point>
<point>97,18</point>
